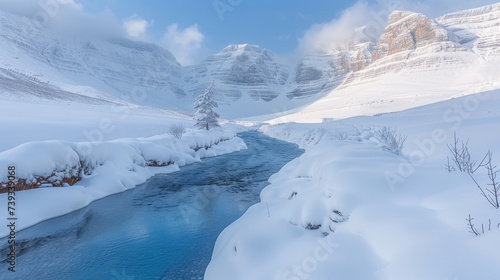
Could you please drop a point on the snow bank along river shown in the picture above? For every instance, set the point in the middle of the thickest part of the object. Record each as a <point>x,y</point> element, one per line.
<point>163,229</point>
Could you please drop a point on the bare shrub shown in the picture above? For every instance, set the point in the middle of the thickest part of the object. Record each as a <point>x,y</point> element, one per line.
<point>461,156</point>
<point>476,231</point>
<point>492,191</point>
<point>463,162</point>
<point>177,130</point>
<point>471,226</point>
<point>393,141</point>
<point>340,135</point>
<point>449,167</point>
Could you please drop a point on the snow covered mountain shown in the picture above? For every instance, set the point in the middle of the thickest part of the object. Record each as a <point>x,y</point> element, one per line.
<point>246,74</point>
<point>417,61</point>
<point>240,70</point>
<point>41,64</point>
<point>412,42</point>
<point>34,60</point>
<point>477,29</point>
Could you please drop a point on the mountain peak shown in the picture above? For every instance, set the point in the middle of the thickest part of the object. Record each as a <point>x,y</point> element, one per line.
<point>399,15</point>
<point>408,31</point>
<point>242,48</point>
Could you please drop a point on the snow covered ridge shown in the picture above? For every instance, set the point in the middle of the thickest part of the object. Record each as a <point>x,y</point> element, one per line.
<point>104,168</point>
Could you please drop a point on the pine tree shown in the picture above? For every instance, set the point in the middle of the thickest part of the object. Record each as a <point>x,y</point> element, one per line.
<point>205,116</point>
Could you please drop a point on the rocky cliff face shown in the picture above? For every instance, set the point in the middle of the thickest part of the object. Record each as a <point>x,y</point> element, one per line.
<point>407,31</point>
<point>413,42</point>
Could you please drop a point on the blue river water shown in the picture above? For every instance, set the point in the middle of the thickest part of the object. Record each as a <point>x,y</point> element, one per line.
<point>163,229</point>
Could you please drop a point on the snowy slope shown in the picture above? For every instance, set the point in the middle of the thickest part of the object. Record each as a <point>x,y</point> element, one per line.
<point>399,91</point>
<point>38,121</point>
<point>350,209</point>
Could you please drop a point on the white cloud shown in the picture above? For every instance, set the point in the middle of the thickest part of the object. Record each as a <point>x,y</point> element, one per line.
<point>184,44</point>
<point>329,35</point>
<point>136,26</point>
<point>30,7</point>
<point>70,3</point>
<point>67,17</point>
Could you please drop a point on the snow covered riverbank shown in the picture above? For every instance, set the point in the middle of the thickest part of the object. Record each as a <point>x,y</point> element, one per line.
<point>350,209</point>
<point>96,169</point>
<point>109,167</point>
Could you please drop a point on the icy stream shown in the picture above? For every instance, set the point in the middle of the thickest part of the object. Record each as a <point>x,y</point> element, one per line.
<point>163,229</point>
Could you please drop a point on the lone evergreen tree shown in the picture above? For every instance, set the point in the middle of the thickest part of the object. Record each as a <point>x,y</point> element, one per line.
<point>205,116</point>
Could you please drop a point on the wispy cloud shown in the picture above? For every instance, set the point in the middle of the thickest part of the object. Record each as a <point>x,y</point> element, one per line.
<point>30,7</point>
<point>67,17</point>
<point>327,36</point>
<point>184,44</point>
<point>135,26</point>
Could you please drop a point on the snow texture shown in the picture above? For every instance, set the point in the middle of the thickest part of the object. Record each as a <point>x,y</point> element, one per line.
<point>350,209</point>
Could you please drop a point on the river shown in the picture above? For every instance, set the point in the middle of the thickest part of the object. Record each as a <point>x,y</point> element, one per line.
<point>163,229</point>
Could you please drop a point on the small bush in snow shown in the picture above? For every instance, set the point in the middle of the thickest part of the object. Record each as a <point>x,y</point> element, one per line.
<point>340,135</point>
<point>463,162</point>
<point>476,231</point>
<point>393,141</point>
<point>491,192</point>
<point>461,157</point>
<point>177,130</point>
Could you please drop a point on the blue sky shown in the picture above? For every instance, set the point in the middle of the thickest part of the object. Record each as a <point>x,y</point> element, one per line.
<point>194,29</point>
<point>268,23</point>
<point>276,25</point>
